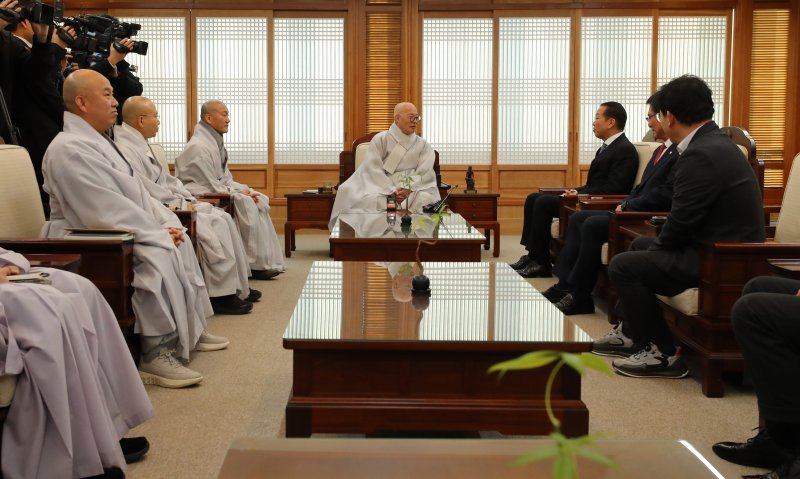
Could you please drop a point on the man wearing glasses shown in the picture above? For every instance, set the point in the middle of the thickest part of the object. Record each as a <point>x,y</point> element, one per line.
<point>397,158</point>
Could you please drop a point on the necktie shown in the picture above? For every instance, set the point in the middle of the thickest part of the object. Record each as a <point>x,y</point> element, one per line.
<point>659,154</point>
<point>601,149</point>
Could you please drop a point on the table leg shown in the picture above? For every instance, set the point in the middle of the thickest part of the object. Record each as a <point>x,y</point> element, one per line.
<point>288,235</point>
<point>486,233</point>
<point>496,240</point>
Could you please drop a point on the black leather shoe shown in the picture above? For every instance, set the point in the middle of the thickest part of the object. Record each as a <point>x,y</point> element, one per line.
<point>522,262</point>
<point>134,448</point>
<point>571,305</point>
<point>535,270</point>
<point>264,274</point>
<point>758,451</point>
<point>788,470</point>
<point>230,304</point>
<point>254,296</point>
<point>554,295</point>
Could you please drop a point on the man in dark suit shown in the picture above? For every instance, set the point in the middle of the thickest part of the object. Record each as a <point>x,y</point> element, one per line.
<point>612,172</point>
<point>716,198</point>
<point>579,261</point>
<point>766,321</point>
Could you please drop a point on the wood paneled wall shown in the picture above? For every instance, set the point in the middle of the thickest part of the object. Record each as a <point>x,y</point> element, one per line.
<point>378,77</point>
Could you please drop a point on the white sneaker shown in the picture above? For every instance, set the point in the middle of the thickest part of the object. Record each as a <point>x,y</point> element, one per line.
<point>166,371</point>
<point>650,362</point>
<point>209,342</point>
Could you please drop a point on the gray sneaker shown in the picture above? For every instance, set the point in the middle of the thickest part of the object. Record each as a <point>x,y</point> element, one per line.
<point>615,344</point>
<point>209,342</point>
<point>166,371</point>
<point>650,362</point>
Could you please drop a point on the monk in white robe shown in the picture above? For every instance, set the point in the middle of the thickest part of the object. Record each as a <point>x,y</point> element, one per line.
<point>219,247</point>
<point>203,168</point>
<point>396,159</point>
<point>91,185</point>
<point>77,391</point>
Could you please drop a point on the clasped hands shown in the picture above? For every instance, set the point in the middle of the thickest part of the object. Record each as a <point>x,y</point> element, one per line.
<point>176,234</point>
<point>6,271</point>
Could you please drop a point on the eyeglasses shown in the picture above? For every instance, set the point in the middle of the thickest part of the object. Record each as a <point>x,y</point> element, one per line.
<point>650,117</point>
<point>413,117</point>
<point>154,116</point>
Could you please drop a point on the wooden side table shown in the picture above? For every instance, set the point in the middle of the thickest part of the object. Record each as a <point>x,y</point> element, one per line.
<point>306,211</point>
<point>480,210</point>
<point>788,268</point>
<point>65,262</point>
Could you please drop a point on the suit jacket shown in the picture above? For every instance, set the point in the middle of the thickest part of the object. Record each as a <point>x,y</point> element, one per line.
<point>654,191</point>
<point>716,195</point>
<point>613,170</point>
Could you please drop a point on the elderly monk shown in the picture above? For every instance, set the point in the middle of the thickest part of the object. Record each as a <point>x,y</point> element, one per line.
<point>219,247</point>
<point>396,159</point>
<point>76,396</point>
<point>203,168</point>
<point>91,185</point>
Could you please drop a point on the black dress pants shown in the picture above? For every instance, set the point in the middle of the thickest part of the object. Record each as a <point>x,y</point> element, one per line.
<point>639,275</point>
<point>540,209</point>
<point>766,320</point>
<point>578,263</point>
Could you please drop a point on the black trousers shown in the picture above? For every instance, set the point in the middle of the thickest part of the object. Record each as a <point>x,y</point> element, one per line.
<point>766,320</point>
<point>540,209</point>
<point>639,275</point>
<point>578,263</point>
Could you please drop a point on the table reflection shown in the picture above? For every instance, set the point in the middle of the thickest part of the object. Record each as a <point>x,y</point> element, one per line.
<point>468,302</point>
<point>380,224</point>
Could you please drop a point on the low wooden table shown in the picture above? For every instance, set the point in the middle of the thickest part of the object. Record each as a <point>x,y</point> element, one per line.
<point>480,209</point>
<point>305,210</point>
<point>370,357</point>
<point>369,236</point>
<point>324,458</point>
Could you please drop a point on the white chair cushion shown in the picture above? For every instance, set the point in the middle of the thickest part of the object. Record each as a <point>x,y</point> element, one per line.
<point>554,228</point>
<point>787,229</point>
<point>361,152</point>
<point>21,212</point>
<point>604,253</point>
<point>645,150</point>
<point>160,154</point>
<point>685,302</point>
<point>8,384</point>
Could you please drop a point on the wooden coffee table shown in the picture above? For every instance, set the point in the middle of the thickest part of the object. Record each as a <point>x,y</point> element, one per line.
<point>369,356</point>
<point>360,235</point>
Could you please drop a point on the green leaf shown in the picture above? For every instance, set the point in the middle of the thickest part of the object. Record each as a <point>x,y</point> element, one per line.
<point>537,455</point>
<point>532,360</point>
<point>596,362</point>
<point>595,456</point>
<point>564,467</point>
<point>574,361</point>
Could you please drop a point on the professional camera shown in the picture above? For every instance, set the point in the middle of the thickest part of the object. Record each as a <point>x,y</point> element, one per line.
<point>33,11</point>
<point>95,35</point>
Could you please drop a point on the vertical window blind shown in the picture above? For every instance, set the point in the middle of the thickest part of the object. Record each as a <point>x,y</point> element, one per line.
<point>383,65</point>
<point>232,67</point>
<point>533,91</point>
<point>457,89</point>
<point>616,59</point>
<point>696,46</point>
<point>163,76</point>
<point>309,90</point>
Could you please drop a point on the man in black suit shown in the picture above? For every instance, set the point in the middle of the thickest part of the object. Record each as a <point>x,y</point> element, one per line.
<point>578,263</point>
<point>766,321</point>
<point>716,198</point>
<point>612,172</point>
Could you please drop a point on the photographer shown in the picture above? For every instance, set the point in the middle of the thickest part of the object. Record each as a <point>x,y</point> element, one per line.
<point>118,72</point>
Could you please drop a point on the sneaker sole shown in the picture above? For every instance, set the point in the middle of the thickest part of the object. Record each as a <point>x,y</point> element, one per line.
<point>154,380</point>
<point>614,354</point>
<point>205,347</point>
<point>657,374</point>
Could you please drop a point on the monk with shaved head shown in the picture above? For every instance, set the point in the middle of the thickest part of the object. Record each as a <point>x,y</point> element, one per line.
<point>203,168</point>
<point>93,185</point>
<point>220,250</point>
<point>394,158</point>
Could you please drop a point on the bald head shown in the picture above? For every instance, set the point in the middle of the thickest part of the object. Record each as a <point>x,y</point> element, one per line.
<point>141,114</point>
<point>215,114</point>
<point>406,117</point>
<point>89,95</point>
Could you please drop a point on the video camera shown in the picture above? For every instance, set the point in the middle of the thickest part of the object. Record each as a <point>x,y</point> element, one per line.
<point>31,10</point>
<point>95,34</point>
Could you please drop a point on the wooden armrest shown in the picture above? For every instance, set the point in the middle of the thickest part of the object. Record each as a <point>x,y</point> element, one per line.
<point>211,201</point>
<point>599,204</point>
<point>223,199</point>
<point>553,190</point>
<point>770,209</point>
<point>189,221</point>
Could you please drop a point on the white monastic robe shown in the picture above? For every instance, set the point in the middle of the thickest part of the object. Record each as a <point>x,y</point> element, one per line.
<point>219,247</point>
<point>392,156</point>
<point>203,168</point>
<point>91,185</point>
<point>78,390</point>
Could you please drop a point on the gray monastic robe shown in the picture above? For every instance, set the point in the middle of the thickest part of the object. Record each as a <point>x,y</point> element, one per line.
<point>78,392</point>
<point>219,247</point>
<point>392,156</point>
<point>203,168</point>
<point>92,186</point>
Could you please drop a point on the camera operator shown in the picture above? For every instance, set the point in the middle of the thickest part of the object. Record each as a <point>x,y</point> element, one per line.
<point>119,73</point>
<point>36,107</point>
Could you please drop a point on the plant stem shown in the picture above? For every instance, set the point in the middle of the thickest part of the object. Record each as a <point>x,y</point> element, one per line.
<point>547,390</point>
